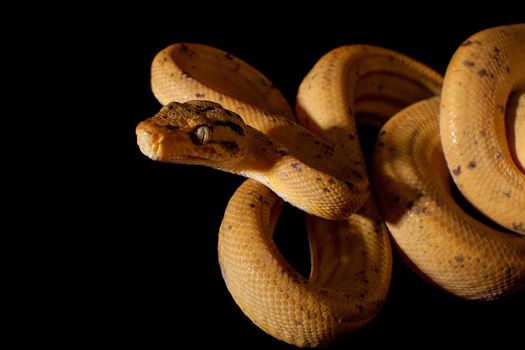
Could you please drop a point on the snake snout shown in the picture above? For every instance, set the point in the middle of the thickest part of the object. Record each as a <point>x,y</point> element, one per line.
<point>149,141</point>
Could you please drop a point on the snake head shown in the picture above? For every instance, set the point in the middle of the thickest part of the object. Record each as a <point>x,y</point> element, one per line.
<point>194,132</point>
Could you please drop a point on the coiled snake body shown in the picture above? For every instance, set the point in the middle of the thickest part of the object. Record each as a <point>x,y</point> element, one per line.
<point>317,166</point>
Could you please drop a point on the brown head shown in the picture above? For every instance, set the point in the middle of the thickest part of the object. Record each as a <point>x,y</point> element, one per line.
<point>194,132</point>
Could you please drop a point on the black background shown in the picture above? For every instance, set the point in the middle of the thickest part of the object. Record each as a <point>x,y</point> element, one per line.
<point>148,272</point>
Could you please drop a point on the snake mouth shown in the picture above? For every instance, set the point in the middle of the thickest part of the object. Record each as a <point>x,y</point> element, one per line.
<point>169,148</point>
<point>190,155</point>
<point>188,159</point>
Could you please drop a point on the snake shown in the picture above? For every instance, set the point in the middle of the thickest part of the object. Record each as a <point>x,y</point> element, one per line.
<point>220,112</point>
<point>461,137</point>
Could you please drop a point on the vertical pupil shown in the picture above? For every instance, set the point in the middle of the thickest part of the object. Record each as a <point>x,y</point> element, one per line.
<point>201,135</point>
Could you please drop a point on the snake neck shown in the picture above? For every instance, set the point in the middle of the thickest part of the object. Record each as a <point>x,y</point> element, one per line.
<point>261,154</point>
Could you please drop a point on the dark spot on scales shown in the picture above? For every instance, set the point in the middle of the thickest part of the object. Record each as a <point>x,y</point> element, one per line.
<point>496,55</point>
<point>483,73</point>
<point>501,108</point>
<point>471,164</point>
<point>499,155</point>
<point>459,258</point>
<point>331,181</point>
<point>508,194</point>
<point>483,133</point>
<point>281,152</point>
<point>199,95</point>
<point>457,171</point>
<point>468,63</point>
<point>297,166</point>
<point>191,53</point>
<point>252,205</point>
<point>471,42</point>
<point>350,185</point>
<point>420,210</point>
<point>518,227</point>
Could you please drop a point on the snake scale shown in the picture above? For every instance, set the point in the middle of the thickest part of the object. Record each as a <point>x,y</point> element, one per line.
<point>467,129</point>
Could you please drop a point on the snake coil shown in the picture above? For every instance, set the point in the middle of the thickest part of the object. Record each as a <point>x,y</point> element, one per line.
<point>469,129</point>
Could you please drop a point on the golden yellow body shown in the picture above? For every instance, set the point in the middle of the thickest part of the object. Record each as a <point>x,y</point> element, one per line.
<point>317,165</point>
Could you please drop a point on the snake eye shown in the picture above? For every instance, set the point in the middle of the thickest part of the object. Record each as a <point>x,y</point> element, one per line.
<point>201,135</point>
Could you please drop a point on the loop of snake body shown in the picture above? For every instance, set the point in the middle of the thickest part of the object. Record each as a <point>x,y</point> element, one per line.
<point>221,112</point>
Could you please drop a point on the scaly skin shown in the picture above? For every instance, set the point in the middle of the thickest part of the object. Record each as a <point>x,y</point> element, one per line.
<point>184,72</point>
<point>435,236</point>
<point>441,242</point>
<point>483,72</point>
<point>351,258</point>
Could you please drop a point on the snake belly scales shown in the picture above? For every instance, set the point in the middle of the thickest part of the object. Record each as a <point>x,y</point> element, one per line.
<point>467,129</point>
